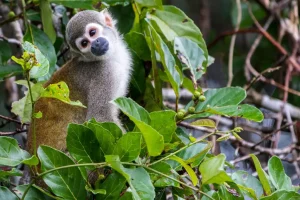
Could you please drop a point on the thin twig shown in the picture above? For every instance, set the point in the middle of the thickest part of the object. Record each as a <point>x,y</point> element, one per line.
<point>273,133</point>
<point>248,65</point>
<point>229,33</point>
<point>12,132</point>
<point>282,50</point>
<point>270,151</point>
<point>232,43</point>
<point>269,70</point>
<point>12,120</point>
<point>240,159</point>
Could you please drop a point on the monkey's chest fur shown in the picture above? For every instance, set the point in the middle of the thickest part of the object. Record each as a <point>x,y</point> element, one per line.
<point>95,84</point>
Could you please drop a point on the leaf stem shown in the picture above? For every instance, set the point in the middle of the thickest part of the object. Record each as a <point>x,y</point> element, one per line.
<point>177,102</point>
<point>157,82</point>
<point>135,7</point>
<point>24,14</point>
<point>75,165</point>
<point>27,75</point>
<point>124,163</point>
<point>27,189</point>
<point>46,193</point>
<point>183,148</point>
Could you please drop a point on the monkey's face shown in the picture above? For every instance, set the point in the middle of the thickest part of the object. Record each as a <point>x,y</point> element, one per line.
<point>96,42</point>
<point>95,37</point>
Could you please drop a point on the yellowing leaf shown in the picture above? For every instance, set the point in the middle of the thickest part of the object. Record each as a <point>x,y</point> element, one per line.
<point>188,169</point>
<point>61,92</point>
<point>262,175</point>
<point>204,122</point>
<point>223,138</point>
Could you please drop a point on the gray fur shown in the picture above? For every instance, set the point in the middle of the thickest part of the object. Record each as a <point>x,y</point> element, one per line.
<point>93,81</point>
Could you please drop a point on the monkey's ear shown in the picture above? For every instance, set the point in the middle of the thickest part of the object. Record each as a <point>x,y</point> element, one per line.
<point>108,20</point>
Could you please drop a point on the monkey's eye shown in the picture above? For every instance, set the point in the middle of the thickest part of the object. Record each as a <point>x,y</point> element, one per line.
<point>84,43</point>
<point>92,32</point>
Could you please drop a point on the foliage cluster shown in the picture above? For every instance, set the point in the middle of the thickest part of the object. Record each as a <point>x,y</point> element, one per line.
<point>155,155</point>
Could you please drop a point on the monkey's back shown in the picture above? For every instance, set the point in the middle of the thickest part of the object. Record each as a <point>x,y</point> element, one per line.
<point>51,129</point>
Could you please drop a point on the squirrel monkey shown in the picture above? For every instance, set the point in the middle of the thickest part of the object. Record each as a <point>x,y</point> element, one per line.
<point>98,73</point>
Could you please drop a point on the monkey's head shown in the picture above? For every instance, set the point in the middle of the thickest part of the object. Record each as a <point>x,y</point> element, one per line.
<point>92,35</point>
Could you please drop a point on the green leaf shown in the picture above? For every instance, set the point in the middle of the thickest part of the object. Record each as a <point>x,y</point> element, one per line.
<point>116,2</point>
<point>12,155</point>
<point>166,57</point>
<point>201,153</point>
<point>94,191</point>
<point>33,193</point>
<point>171,146</point>
<point>127,196</point>
<point>85,4</point>
<point>183,192</point>
<point>44,44</point>
<point>160,181</point>
<point>5,51</point>
<point>244,111</point>
<point>104,137</point>
<point>128,147</point>
<point>141,118</point>
<point>33,15</point>
<point>66,183</point>
<point>138,81</point>
<point>247,191</point>
<point>282,194</point>
<point>12,172</point>
<point>6,194</point>
<point>178,24</point>
<point>113,128</point>
<point>223,137</point>
<point>43,68</point>
<point>230,191</point>
<point>38,115</point>
<point>164,122</point>
<point>23,107</point>
<point>225,101</point>
<point>188,84</point>
<point>113,185</point>
<point>261,175</point>
<point>188,169</point>
<point>211,60</point>
<point>141,182</point>
<point>204,122</point>
<point>150,3</point>
<point>212,170</point>
<point>46,14</point>
<point>222,97</point>
<point>83,145</point>
<point>247,180</point>
<point>132,109</point>
<point>7,71</point>
<point>138,179</point>
<point>118,12</point>
<point>137,43</point>
<point>192,155</point>
<point>61,92</point>
<point>277,175</point>
<point>182,136</point>
<point>191,56</point>
<point>115,163</point>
